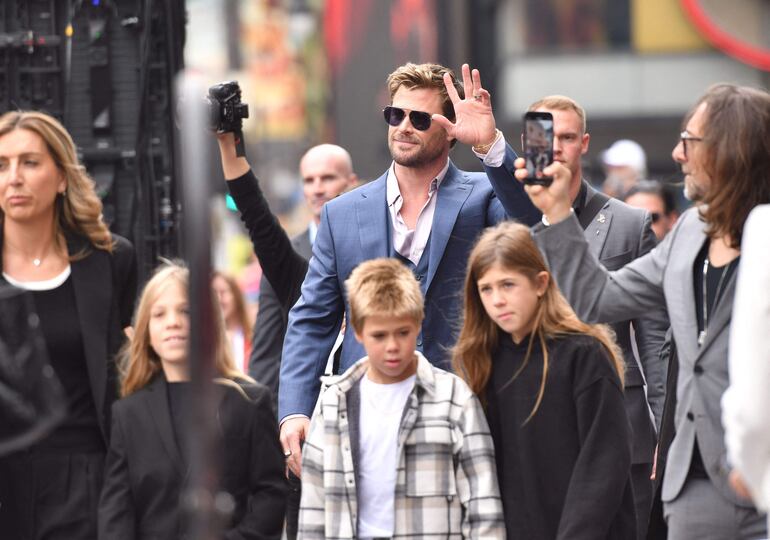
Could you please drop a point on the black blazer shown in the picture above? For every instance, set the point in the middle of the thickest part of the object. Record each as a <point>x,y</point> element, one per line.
<point>272,318</point>
<point>145,475</point>
<point>105,290</point>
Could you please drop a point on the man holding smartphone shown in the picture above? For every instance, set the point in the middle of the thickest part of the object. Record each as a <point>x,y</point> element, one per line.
<point>724,158</point>
<point>617,234</point>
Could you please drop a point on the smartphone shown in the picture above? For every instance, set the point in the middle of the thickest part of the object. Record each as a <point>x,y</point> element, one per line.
<point>538,146</point>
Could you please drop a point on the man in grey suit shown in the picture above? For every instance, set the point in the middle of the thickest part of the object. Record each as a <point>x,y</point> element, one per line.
<point>617,234</point>
<point>326,171</point>
<point>725,158</point>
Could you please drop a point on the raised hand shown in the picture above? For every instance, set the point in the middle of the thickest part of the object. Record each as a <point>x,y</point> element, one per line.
<point>553,201</point>
<point>474,122</point>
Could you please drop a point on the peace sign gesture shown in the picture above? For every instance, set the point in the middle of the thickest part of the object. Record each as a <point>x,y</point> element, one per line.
<point>474,122</point>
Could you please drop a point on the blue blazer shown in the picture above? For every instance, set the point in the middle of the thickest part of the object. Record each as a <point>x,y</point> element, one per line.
<point>355,228</point>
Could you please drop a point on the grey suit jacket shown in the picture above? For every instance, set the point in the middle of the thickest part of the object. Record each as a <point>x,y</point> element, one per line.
<point>270,326</point>
<point>662,277</point>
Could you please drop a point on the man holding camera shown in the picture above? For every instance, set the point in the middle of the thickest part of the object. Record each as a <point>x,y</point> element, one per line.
<point>616,234</point>
<point>423,211</point>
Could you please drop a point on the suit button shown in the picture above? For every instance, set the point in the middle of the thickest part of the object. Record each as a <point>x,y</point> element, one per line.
<point>698,369</point>
<point>690,416</point>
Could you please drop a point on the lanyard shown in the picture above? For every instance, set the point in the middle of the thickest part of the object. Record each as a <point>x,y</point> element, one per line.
<point>702,333</point>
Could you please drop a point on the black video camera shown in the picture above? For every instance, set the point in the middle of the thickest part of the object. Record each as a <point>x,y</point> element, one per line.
<point>226,111</point>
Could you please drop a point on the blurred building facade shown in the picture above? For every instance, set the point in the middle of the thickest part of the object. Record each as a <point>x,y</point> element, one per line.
<point>314,70</point>
<point>635,65</point>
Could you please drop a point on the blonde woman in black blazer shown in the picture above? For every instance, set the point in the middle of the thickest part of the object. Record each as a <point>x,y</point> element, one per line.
<point>147,464</point>
<point>82,280</point>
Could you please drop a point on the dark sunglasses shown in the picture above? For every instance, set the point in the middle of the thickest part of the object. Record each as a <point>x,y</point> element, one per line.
<point>394,116</point>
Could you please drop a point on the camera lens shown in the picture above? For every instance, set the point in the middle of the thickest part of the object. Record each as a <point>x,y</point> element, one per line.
<point>242,110</point>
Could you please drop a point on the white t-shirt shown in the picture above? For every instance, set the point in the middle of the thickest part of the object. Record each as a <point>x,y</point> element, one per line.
<point>238,342</point>
<point>382,406</point>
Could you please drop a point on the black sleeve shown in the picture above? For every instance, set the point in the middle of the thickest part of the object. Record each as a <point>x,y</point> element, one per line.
<point>601,473</point>
<point>116,517</point>
<point>267,341</point>
<point>650,333</point>
<point>125,278</point>
<point>267,481</point>
<point>284,268</point>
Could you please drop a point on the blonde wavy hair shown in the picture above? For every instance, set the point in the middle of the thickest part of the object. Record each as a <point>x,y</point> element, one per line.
<point>511,246</point>
<point>426,76</point>
<point>138,361</point>
<point>79,209</point>
<point>383,287</point>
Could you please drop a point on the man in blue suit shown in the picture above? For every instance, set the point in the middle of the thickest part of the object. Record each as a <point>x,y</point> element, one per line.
<point>423,211</point>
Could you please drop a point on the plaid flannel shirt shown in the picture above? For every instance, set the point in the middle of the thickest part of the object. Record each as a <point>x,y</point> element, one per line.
<point>446,484</point>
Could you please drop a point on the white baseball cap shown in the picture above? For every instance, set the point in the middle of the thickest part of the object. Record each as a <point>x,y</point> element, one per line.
<point>626,152</point>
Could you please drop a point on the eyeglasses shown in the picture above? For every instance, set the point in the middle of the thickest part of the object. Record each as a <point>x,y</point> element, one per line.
<point>394,116</point>
<point>684,137</point>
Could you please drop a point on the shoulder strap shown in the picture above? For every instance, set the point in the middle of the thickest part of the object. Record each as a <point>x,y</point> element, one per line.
<point>592,208</point>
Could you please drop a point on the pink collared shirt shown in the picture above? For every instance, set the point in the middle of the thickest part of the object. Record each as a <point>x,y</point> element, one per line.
<point>410,243</point>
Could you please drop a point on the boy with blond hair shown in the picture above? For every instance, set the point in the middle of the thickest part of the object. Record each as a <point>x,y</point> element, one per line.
<point>397,447</point>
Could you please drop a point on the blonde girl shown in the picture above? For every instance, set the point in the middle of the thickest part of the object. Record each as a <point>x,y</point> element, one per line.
<point>148,459</point>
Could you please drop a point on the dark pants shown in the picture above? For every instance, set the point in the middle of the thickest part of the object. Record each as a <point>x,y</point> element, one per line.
<point>642,486</point>
<point>292,506</point>
<point>50,494</point>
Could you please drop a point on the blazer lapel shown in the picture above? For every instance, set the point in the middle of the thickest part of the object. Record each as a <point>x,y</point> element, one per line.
<point>158,409</point>
<point>722,314</point>
<point>372,218</point>
<point>91,280</point>
<point>597,229</point>
<point>680,296</point>
<point>452,194</point>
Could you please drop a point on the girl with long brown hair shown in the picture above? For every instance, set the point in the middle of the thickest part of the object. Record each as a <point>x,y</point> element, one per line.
<point>147,462</point>
<point>238,324</point>
<point>552,387</point>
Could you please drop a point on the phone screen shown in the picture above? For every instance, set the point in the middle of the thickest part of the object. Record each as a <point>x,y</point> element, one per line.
<point>538,146</point>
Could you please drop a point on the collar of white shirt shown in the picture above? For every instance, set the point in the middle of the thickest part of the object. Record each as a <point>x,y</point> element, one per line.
<point>312,231</point>
<point>407,242</point>
<point>393,193</point>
